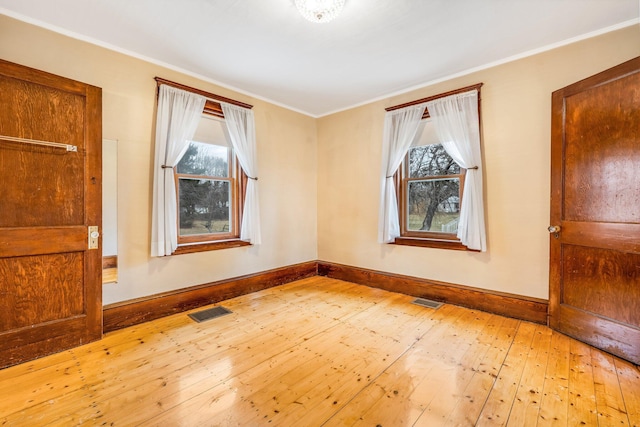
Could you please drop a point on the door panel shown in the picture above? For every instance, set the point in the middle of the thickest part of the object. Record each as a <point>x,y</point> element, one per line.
<point>59,274</point>
<point>595,199</point>
<point>42,176</point>
<point>600,141</point>
<point>601,281</point>
<point>50,282</point>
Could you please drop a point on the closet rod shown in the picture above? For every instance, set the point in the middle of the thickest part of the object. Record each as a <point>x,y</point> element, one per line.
<point>67,147</point>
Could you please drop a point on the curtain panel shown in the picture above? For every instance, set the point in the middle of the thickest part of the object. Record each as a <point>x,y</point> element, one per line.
<point>457,124</point>
<point>400,128</point>
<point>241,126</point>
<point>178,115</point>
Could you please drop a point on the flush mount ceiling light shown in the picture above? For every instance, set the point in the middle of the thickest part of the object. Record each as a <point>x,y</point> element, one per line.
<point>319,11</point>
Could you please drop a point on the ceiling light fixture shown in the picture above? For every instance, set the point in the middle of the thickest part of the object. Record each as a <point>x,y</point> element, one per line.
<point>319,11</point>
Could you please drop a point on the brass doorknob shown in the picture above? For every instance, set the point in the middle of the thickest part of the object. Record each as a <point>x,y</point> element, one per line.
<point>554,229</point>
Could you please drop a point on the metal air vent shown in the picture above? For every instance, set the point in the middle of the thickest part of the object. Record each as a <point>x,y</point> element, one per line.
<point>210,313</point>
<point>427,303</point>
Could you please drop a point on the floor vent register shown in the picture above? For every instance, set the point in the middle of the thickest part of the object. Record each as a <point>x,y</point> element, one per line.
<point>210,313</point>
<point>427,303</point>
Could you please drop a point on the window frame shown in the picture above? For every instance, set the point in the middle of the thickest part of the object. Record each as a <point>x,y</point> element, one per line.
<point>427,239</point>
<point>232,240</point>
<point>192,244</point>
<point>235,214</point>
<point>403,200</point>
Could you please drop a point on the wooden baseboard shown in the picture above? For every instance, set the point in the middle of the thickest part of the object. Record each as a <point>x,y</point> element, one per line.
<point>132,312</point>
<point>110,261</point>
<point>510,305</point>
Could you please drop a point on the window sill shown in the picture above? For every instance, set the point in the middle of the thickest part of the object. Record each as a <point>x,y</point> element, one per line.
<point>210,246</point>
<point>431,243</point>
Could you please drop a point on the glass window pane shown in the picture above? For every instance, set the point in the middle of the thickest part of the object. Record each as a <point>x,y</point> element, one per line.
<point>431,160</point>
<point>204,206</point>
<point>205,159</point>
<point>433,205</point>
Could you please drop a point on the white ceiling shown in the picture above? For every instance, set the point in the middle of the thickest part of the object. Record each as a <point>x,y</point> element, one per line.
<point>375,48</point>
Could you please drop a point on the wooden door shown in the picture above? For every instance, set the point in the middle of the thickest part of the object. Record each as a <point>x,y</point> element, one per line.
<point>595,202</point>
<point>50,282</point>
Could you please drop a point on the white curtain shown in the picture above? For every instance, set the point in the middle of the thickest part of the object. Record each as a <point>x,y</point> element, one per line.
<point>177,119</point>
<point>241,126</point>
<point>456,122</point>
<point>400,128</point>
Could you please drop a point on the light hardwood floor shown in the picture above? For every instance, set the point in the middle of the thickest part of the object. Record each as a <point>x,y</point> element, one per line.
<point>324,352</point>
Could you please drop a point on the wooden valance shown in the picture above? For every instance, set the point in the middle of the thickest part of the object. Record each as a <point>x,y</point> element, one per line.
<point>431,98</point>
<point>212,106</point>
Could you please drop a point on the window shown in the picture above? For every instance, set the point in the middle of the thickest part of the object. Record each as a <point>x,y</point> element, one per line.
<point>431,185</point>
<point>431,157</point>
<point>207,186</point>
<point>205,182</point>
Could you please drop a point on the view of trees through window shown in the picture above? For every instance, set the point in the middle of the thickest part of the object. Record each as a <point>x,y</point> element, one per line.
<point>433,202</point>
<point>204,190</point>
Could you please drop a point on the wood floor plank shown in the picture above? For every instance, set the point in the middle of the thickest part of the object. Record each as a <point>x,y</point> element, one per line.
<point>555,392</point>
<point>609,400</point>
<point>397,363</point>
<point>526,405</point>
<point>327,350</point>
<point>582,396</point>
<point>473,345</point>
<point>69,376</point>
<point>629,377</point>
<point>158,387</point>
<point>497,407</point>
<point>215,350</point>
<point>10,373</point>
<point>322,352</point>
<point>170,405</point>
<point>217,368</point>
<point>264,400</point>
<point>485,372</point>
<point>363,407</point>
<point>50,412</point>
<point>329,392</point>
<point>408,382</point>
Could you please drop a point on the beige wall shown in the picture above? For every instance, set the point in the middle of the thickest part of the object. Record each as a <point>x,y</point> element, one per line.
<point>516,101</point>
<point>287,164</point>
<point>319,179</point>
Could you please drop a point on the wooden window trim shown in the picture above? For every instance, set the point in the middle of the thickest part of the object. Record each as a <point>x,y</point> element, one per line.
<point>434,97</point>
<point>423,239</point>
<point>430,243</point>
<point>192,244</point>
<point>234,233</point>
<point>427,239</point>
<point>430,235</point>
<point>210,246</point>
<point>212,105</point>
